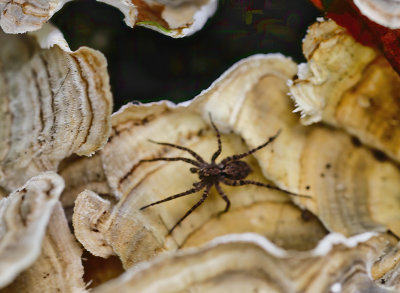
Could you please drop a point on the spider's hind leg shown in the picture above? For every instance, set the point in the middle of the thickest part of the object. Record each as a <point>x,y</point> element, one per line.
<point>202,199</point>
<point>251,182</point>
<point>224,197</point>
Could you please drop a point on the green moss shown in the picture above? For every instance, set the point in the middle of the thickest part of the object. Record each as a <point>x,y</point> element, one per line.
<point>156,24</point>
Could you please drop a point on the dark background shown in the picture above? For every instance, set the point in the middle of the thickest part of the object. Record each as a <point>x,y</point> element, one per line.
<point>147,66</point>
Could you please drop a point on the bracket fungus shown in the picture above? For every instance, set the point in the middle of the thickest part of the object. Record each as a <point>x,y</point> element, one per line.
<point>102,224</point>
<point>249,104</point>
<point>59,266</point>
<point>251,263</point>
<point>317,186</point>
<point>81,173</point>
<point>24,215</point>
<point>349,86</point>
<point>172,18</point>
<point>23,16</point>
<point>53,103</point>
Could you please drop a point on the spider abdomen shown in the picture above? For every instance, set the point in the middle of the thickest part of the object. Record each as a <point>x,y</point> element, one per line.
<point>236,170</point>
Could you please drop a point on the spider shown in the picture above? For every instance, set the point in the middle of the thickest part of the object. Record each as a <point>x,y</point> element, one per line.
<point>229,171</point>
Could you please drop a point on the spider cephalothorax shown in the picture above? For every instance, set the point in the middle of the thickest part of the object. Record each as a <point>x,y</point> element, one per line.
<point>230,171</point>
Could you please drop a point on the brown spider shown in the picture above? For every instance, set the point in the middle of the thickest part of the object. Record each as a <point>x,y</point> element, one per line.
<point>230,171</point>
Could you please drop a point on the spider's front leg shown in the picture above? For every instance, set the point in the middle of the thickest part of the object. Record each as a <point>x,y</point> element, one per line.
<point>196,188</point>
<point>186,160</point>
<point>241,156</point>
<point>193,153</point>
<point>218,151</point>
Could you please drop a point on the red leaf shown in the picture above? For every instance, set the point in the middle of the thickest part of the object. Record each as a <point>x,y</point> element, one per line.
<point>318,4</point>
<point>365,31</point>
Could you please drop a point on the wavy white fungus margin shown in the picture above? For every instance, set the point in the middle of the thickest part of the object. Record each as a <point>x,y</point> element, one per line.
<point>383,12</point>
<point>49,36</point>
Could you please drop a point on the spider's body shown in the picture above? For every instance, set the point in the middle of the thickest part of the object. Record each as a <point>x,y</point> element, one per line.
<point>230,171</point>
<point>214,173</point>
<point>236,170</point>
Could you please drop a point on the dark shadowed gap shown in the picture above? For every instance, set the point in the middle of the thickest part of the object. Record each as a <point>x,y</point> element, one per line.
<point>147,66</point>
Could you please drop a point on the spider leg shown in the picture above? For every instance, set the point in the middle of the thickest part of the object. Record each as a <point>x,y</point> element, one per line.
<point>251,182</point>
<point>193,153</point>
<point>202,199</point>
<point>190,161</point>
<point>240,156</point>
<point>224,197</point>
<point>187,192</point>
<point>218,152</point>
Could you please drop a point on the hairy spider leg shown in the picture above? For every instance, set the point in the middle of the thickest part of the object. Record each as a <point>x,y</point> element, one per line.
<point>224,197</point>
<point>241,156</point>
<point>202,199</point>
<point>187,192</point>
<point>251,182</point>
<point>218,151</point>
<point>186,160</point>
<point>193,153</point>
